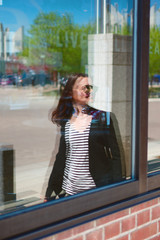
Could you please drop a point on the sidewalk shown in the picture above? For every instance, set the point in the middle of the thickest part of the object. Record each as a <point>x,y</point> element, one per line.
<point>34,136</point>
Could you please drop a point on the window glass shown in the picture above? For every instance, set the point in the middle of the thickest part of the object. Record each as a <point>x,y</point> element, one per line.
<point>154,89</point>
<point>79,52</point>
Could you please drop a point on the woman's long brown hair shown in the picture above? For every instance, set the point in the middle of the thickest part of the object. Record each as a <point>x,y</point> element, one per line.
<point>64,108</point>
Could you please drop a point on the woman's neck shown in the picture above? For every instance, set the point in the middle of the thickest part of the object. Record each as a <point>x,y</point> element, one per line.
<point>79,108</point>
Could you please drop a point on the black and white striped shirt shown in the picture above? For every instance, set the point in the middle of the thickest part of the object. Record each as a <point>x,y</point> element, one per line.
<point>77,177</point>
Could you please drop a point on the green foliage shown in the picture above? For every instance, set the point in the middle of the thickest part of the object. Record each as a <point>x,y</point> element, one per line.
<point>126,30</point>
<point>57,42</point>
<point>154,55</point>
<point>154,92</point>
<point>25,52</point>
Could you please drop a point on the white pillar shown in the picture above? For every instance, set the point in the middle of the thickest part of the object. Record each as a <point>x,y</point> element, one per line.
<point>110,68</point>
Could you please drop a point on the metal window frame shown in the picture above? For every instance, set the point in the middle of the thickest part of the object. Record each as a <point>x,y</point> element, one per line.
<point>49,218</point>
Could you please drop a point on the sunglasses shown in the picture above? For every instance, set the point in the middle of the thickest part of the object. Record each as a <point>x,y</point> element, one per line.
<point>87,87</point>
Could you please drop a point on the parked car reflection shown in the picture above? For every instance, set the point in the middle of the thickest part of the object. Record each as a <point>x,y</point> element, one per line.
<point>7,80</point>
<point>12,79</point>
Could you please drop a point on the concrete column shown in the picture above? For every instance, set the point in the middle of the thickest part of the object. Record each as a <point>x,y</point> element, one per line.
<point>110,68</point>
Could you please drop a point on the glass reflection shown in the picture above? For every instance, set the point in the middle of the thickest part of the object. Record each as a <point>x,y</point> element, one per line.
<point>89,153</point>
<point>41,44</point>
<point>154,90</point>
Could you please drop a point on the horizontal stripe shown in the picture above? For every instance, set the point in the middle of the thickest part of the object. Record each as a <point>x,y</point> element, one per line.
<point>77,177</point>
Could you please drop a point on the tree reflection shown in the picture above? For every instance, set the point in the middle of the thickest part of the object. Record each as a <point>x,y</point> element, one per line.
<point>62,43</point>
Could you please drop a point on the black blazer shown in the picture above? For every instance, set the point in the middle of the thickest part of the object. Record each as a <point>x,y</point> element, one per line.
<point>105,163</point>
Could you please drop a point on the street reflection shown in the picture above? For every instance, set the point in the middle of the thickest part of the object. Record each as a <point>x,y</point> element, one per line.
<point>154,90</point>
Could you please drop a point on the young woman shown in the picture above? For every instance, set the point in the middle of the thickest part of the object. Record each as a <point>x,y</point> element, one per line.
<point>89,154</point>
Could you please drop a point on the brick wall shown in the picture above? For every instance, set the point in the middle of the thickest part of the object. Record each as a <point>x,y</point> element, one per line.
<point>136,223</point>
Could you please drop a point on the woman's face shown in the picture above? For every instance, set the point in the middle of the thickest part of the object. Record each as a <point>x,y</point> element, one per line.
<point>81,91</point>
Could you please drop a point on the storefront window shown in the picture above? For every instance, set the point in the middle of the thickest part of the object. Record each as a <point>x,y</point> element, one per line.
<point>154,90</point>
<point>41,44</point>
